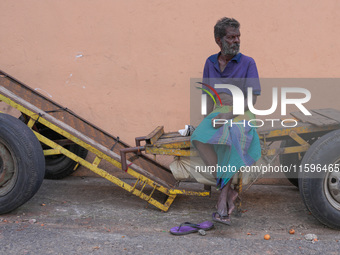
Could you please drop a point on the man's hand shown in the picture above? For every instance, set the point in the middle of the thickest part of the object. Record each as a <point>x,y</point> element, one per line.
<point>222,116</point>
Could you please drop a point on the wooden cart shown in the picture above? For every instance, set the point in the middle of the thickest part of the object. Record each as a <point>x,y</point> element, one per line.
<point>65,139</point>
<point>50,140</point>
<point>310,150</point>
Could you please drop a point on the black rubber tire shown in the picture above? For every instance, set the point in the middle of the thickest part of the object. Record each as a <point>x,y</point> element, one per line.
<point>313,185</point>
<point>289,160</point>
<point>58,166</point>
<point>22,159</point>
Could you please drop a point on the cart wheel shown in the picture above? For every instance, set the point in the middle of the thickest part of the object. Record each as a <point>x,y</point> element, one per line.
<point>22,163</point>
<point>320,188</point>
<point>290,159</point>
<point>58,166</point>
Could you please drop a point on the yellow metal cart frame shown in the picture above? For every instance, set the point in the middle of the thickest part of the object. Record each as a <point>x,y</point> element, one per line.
<point>321,122</point>
<point>147,172</point>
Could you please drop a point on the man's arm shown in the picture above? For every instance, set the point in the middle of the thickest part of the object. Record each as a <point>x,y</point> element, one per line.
<point>230,115</point>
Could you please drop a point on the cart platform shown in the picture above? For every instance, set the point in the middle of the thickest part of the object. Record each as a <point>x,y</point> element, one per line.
<point>320,122</point>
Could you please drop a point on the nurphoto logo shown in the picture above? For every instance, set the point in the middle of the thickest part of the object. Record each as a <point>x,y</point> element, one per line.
<point>239,104</point>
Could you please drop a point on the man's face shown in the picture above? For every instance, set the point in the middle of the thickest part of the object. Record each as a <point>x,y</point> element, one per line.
<point>230,43</point>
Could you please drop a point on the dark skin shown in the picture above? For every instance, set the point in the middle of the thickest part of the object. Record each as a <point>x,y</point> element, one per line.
<point>232,37</point>
<point>225,204</point>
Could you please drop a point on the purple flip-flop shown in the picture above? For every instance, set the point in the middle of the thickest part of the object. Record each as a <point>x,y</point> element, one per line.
<point>187,228</point>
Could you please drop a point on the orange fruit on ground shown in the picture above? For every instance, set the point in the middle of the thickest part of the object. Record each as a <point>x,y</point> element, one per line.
<point>292,231</point>
<point>266,237</point>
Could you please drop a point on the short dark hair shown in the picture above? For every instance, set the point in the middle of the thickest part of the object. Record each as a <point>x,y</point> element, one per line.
<point>222,24</point>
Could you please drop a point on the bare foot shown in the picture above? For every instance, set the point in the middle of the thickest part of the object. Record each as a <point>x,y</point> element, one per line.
<point>225,219</point>
<point>232,195</point>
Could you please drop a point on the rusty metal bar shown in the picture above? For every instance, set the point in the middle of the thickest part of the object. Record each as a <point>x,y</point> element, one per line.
<point>138,140</point>
<point>298,139</point>
<point>123,153</point>
<point>154,135</point>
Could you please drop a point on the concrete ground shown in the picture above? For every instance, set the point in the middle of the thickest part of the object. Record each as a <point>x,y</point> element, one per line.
<point>80,215</point>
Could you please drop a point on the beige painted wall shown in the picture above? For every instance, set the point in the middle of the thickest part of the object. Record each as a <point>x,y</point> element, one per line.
<point>126,65</point>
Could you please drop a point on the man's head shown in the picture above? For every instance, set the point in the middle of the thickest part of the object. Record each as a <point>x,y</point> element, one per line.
<point>227,36</point>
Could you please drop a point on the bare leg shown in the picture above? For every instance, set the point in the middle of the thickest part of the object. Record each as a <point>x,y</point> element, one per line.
<point>222,200</point>
<point>207,153</point>
<point>222,214</point>
<point>225,204</point>
<point>232,195</point>
<point>230,200</point>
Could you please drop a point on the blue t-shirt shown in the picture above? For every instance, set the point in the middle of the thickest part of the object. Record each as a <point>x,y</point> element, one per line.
<point>240,71</point>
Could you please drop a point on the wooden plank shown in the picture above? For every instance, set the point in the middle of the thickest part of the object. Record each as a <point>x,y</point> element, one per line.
<point>315,119</point>
<point>170,135</point>
<point>329,113</point>
<point>172,152</point>
<point>301,128</point>
<point>269,127</point>
<point>154,135</point>
<point>174,142</point>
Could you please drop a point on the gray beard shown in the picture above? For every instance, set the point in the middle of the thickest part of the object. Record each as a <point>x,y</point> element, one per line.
<point>228,50</point>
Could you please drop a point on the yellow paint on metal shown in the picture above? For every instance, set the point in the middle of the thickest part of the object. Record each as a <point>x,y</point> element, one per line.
<point>75,167</point>
<point>189,192</point>
<point>299,130</point>
<point>298,138</point>
<point>112,178</point>
<point>174,152</point>
<point>178,149</point>
<point>287,150</point>
<point>169,201</point>
<point>31,123</point>
<point>96,161</point>
<point>175,145</point>
<point>51,152</point>
<point>57,149</point>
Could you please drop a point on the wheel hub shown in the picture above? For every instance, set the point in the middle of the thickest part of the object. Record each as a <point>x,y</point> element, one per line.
<point>332,188</point>
<point>7,170</point>
<point>6,165</point>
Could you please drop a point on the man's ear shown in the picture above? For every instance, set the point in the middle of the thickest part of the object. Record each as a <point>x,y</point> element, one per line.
<point>219,42</point>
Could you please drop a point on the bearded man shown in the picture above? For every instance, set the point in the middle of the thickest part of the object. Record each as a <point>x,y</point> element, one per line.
<point>228,146</point>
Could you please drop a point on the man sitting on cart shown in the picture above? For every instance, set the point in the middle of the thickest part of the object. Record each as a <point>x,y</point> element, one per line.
<point>226,145</point>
